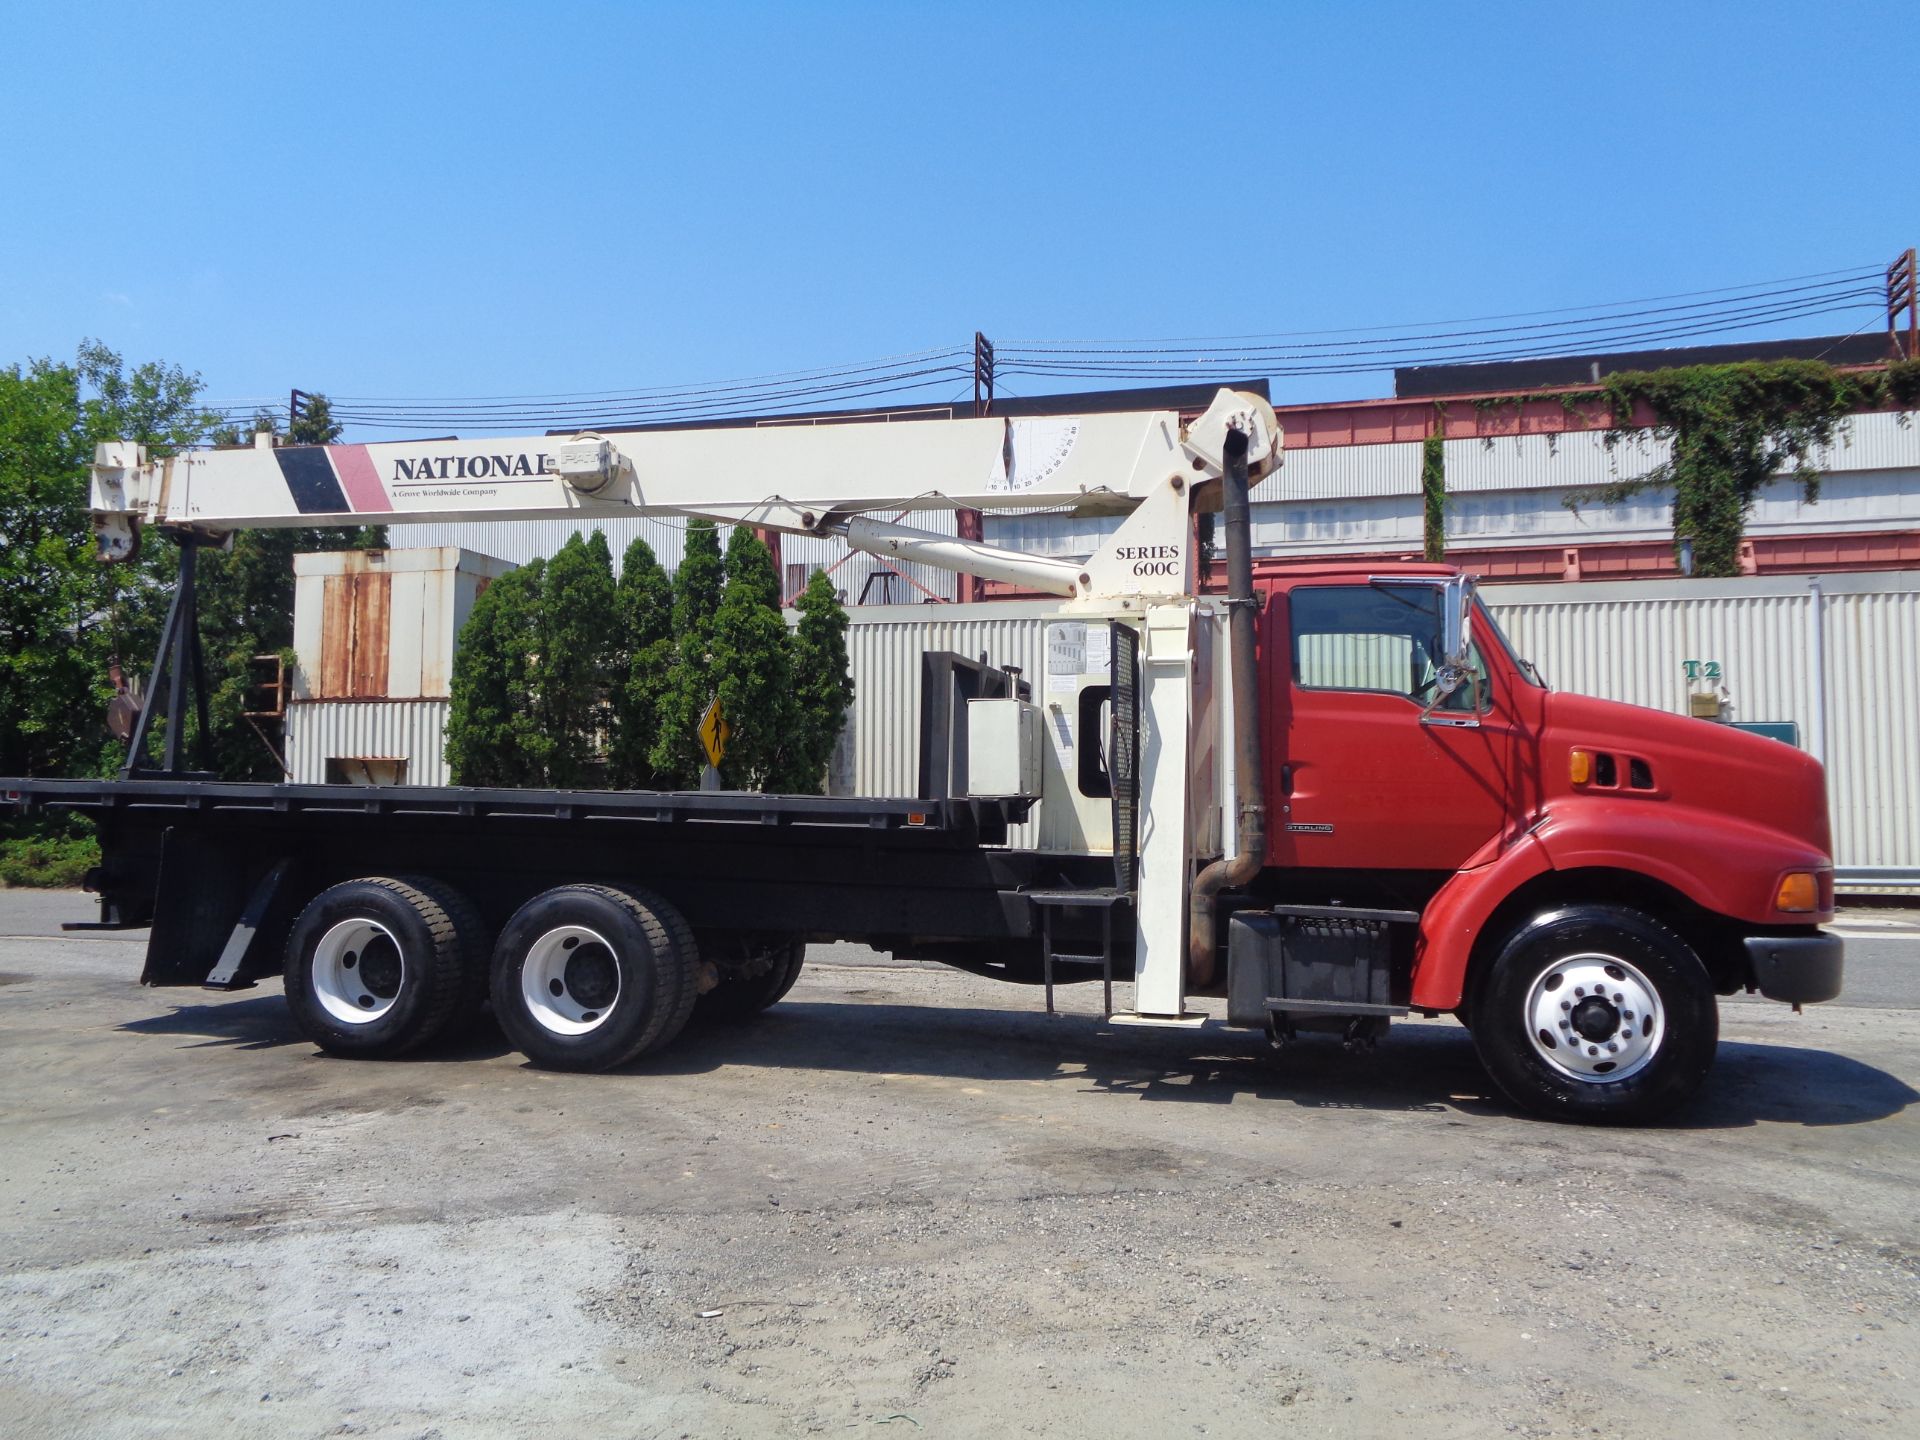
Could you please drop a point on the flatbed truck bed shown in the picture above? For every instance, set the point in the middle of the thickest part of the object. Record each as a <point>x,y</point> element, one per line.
<point>221,869</point>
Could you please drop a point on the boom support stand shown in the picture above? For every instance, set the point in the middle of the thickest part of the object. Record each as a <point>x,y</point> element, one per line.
<point>176,661</point>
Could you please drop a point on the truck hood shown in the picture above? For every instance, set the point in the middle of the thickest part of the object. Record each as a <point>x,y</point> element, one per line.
<point>1696,763</point>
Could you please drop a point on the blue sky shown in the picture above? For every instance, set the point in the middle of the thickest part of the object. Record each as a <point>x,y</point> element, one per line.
<point>457,200</point>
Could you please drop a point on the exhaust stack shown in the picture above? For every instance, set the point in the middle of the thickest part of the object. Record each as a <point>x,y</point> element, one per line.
<point>1250,828</point>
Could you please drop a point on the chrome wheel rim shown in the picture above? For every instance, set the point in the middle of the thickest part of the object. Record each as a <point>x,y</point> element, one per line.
<point>1595,1017</point>
<point>358,971</point>
<point>570,982</point>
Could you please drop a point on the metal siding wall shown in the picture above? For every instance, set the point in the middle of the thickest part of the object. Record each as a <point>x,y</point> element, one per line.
<point>884,646</point>
<point>1884,441</point>
<point>1344,472</point>
<point>322,730</point>
<point>1316,527</point>
<point>1873,723</point>
<point>1628,641</point>
<point>1533,462</point>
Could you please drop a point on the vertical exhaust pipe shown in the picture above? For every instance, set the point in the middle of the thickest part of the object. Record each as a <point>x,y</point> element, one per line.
<point>1250,827</point>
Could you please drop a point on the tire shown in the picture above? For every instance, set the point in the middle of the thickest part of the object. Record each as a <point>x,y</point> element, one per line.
<point>681,934</point>
<point>375,967</point>
<point>587,977</point>
<point>742,996</point>
<point>476,949</point>
<point>1598,1014</point>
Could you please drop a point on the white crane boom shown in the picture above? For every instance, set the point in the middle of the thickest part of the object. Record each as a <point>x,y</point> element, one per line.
<point>799,479</point>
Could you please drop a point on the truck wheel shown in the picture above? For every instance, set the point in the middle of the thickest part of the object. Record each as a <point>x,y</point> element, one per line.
<point>476,948</point>
<point>375,967</point>
<point>1598,1014</point>
<point>742,996</point>
<point>586,977</point>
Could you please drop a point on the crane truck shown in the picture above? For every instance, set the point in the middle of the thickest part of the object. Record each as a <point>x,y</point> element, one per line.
<point>1334,798</point>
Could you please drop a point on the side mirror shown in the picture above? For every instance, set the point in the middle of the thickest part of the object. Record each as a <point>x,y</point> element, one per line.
<point>1456,621</point>
<point>1456,662</point>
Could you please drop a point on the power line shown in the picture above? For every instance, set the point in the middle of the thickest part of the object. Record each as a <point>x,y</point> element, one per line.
<point>1731,309</point>
<point>1536,334</point>
<point>1856,273</point>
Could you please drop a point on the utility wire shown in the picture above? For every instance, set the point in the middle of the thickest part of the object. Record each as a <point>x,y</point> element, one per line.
<point>1535,334</point>
<point>1411,354</point>
<point>1869,272</point>
<point>1653,320</point>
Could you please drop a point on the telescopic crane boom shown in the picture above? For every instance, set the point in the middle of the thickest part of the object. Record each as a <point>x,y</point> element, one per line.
<point>802,480</point>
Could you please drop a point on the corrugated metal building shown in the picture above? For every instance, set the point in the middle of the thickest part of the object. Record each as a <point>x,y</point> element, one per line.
<point>374,632</point>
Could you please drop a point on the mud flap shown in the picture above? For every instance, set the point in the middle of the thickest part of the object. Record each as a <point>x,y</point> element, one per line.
<point>201,892</point>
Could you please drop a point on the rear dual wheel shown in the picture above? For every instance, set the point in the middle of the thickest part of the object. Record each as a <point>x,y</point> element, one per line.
<point>379,966</point>
<point>587,977</point>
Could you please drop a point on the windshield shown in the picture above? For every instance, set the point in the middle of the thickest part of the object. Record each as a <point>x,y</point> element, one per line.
<point>1484,623</point>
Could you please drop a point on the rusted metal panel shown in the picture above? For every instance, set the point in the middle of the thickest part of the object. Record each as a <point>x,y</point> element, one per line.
<point>354,637</point>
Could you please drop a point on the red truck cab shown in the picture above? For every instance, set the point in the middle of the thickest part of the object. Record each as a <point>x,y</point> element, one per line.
<point>1587,876</point>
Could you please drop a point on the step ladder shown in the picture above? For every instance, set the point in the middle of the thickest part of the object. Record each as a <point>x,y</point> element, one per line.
<point>1103,899</point>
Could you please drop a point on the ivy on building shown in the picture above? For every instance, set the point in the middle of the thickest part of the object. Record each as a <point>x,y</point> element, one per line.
<point>1734,428</point>
<point>1433,488</point>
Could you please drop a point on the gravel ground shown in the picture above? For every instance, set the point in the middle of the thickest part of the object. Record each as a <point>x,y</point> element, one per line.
<point>906,1202</point>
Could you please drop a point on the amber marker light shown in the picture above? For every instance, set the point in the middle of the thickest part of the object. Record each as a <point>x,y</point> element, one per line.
<point>1799,893</point>
<point>1580,766</point>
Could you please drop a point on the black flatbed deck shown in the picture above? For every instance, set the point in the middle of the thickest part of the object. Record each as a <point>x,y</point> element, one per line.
<point>189,856</point>
<point>186,797</point>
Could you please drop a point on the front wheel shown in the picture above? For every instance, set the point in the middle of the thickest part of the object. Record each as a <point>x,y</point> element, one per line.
<point>1596,1013</point>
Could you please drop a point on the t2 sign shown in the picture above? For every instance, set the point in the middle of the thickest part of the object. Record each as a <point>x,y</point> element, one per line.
<point>1701,669</point>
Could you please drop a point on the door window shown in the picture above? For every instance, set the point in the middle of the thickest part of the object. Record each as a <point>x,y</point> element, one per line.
<point>1376,637</point>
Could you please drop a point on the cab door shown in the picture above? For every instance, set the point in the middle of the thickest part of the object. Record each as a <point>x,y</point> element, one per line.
<point>1359,781</point>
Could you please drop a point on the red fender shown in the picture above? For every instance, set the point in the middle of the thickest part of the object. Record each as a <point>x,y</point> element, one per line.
<point>1723,863</point>
<point>1454,917</point>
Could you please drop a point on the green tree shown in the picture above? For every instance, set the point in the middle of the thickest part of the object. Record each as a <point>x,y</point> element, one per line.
<point>64,618</point>
<point>578,632</point>
<point>697,587</point>
<point>50,589</point>
<point>822,690</point>
<point>643,608</point>
<point>752,671</point>
<point>494,735</point>
<point>314,425</point>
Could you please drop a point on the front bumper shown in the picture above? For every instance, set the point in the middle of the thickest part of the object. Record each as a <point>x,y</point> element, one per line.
<point>1800,969</point>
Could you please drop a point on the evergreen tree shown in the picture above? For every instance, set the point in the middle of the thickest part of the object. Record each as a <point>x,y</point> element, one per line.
<point>751,668</point>
<point>314,425</point>
<point>577,630</point>
<point>822,690</point>
<point>494,733</point>
<point>643,608</point>
<point>697,587</point>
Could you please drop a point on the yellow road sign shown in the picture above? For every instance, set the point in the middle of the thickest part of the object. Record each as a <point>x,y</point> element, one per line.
<point>714,732</point>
